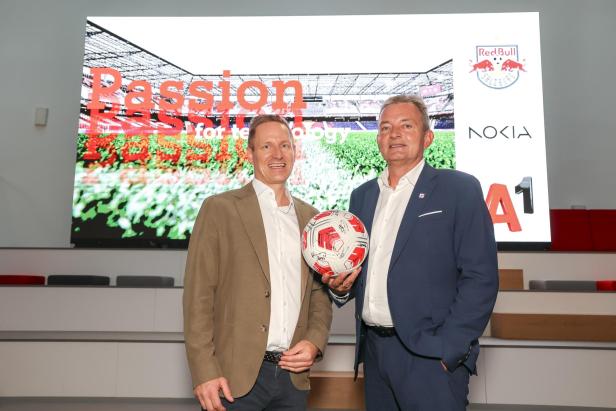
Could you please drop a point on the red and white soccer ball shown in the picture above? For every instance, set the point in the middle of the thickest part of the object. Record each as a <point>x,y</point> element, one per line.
<point>334,242</point>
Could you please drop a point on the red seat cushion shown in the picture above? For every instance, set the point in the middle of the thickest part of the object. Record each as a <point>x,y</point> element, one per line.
<point>21,279</point>
<point>606,285</point>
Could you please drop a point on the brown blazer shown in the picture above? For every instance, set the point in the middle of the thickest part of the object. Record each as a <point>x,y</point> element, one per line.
<point>227,290</point>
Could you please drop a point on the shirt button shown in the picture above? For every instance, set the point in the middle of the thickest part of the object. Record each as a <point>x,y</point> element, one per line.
<point>263,328</point>
<point>267,294</point>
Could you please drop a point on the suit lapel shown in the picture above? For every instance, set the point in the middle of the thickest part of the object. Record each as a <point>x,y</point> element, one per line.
<point>369,206</point>
<point>250,214</point>
<point>366,215</point>
<point>425,183</point>
<point>303,216</point>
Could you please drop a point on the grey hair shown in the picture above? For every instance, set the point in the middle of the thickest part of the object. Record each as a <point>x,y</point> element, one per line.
<point>411,99</point>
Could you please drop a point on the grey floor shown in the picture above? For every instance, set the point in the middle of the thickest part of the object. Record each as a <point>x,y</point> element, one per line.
<point>120,404</point>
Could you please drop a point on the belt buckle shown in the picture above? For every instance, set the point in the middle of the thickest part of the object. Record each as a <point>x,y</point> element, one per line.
<point>384,331</point>
<point>272,356</point>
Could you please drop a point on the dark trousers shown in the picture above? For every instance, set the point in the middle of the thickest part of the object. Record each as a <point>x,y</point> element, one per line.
<point>273,391</point>
<point>397,379</point>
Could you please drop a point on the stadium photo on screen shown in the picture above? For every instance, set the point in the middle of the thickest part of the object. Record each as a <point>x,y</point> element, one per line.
<point>143,174</point>
<point>163,120</point>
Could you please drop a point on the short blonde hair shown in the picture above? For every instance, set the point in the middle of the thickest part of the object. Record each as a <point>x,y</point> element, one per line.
<point>265,118</point>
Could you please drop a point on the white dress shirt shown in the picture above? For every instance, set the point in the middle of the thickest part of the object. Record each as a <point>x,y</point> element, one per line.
<point>388,215</point>
<point>284,256</point>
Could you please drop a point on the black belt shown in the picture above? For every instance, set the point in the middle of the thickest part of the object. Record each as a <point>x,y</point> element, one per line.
<point>382,331</point>
<point>272,356</point>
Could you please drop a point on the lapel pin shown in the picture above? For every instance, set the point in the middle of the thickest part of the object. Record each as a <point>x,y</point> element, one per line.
<point>421,195</point>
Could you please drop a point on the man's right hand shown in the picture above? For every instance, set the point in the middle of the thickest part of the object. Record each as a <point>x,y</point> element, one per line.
<point>208,394</point>
<point>342,283</point>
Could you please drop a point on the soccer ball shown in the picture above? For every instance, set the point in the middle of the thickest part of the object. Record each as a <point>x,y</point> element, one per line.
<point>334,242</point>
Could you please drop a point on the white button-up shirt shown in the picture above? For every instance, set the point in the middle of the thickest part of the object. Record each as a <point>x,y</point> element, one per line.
<point>284,256</point>
<point>388,215</point>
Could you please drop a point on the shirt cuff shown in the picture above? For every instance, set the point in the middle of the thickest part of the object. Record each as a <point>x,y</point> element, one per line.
<point>339,298</point>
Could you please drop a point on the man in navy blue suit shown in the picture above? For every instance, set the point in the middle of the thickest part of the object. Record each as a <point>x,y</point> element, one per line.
<point>425,294</point>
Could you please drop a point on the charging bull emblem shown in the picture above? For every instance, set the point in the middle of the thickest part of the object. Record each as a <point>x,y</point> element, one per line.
<point>497,66</point>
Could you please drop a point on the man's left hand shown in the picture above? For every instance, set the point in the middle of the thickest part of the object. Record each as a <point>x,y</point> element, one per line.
<point>342,283</point>
<point>300,357</point>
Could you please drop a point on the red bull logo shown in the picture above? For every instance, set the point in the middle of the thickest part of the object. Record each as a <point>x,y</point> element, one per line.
<point>483,65</point>
<point>510,65</point>
<point>497,66</point>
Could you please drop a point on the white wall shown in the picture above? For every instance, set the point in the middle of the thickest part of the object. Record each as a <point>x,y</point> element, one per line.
<point>507,375</point>
<point>123,342</point>
<point>536,266</point>
<point>41,49</point>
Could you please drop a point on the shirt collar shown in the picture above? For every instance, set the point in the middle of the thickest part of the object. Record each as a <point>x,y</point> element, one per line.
<point>262,190</point>
<point>410,178</point>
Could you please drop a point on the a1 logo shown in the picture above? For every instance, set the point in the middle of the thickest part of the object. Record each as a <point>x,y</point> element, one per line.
<point>498,195</point>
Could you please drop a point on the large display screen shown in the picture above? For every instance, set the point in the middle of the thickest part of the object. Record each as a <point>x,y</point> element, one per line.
<point>166,103</point>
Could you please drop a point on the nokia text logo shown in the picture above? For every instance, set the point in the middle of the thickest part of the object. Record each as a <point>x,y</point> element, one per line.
<point>511,132</point>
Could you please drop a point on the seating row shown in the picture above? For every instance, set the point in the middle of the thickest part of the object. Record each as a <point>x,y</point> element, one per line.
<point>509,279</point>
<point>572,285</point>
<point>87,280</point>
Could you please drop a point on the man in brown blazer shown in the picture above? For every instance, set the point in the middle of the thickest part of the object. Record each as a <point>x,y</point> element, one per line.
<point>255,319</point>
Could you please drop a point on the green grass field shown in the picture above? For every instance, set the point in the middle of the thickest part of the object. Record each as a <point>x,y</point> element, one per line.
<point>360,154</point>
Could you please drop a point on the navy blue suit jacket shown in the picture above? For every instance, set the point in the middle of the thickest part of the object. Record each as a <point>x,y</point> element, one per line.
<point>443,275</point>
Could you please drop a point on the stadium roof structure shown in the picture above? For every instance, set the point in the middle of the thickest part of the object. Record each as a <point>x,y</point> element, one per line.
<point>106,49</point>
